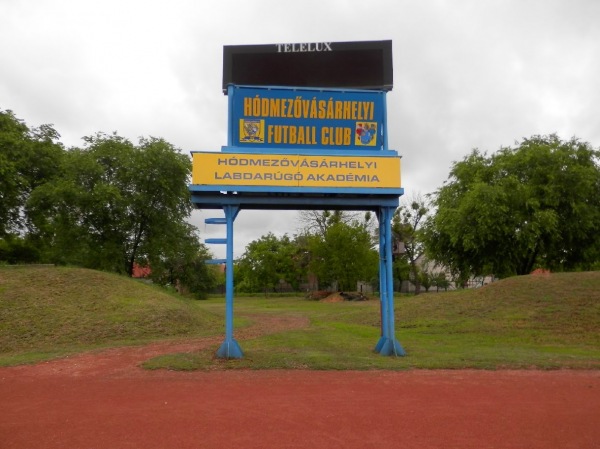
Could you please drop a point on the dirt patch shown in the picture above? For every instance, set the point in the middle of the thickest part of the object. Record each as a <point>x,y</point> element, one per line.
<point>343,296</point>
<point>318,295</point>
<point>333,297</point>
<point>125,361</point>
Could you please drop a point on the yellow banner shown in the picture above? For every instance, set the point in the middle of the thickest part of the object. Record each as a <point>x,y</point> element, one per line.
<point>295,171</point>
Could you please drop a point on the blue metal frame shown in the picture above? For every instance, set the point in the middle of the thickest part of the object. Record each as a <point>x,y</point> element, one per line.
<point>233,198</point>
<point>269,201</point>
<point>357,191</point>
<point>387,345</point>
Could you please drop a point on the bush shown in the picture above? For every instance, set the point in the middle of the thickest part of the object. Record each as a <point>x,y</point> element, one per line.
<point>15,250</point>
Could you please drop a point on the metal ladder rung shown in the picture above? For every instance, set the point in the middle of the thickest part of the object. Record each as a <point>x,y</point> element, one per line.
<point>217,220</point>
<point>217,241</point>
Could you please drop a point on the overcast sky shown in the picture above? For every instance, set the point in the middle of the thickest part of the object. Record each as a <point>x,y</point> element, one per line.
<point>467,73</point>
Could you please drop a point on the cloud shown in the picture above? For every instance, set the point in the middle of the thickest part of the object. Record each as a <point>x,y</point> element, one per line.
<point>467,74</point>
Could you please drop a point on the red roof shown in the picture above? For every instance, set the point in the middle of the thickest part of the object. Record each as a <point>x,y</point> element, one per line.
<point>140,272</point>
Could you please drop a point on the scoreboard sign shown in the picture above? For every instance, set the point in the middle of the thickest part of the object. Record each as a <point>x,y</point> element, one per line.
<point>307,118</point>
<point>339,65</point>
<point>305,171</point>
<point>307,129</point>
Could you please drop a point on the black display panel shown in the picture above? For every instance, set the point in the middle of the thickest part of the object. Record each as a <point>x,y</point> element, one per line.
<point>351,65</point>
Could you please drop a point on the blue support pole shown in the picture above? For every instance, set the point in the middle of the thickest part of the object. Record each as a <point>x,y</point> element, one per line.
<point>383,285</point>
<point>230,349</point>
<point>387,345</point>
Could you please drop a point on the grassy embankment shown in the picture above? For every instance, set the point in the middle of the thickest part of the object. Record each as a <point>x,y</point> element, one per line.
<point>47,312</point>
<point>546,322</point>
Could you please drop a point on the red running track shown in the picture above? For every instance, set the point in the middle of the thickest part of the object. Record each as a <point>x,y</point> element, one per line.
<point>105,401</point>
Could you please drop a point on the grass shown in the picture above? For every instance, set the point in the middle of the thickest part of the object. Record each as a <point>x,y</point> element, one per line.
<point>52,311</point>
<point>545,322</point>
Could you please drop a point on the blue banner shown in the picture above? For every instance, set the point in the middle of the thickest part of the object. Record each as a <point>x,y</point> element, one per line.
<point>307,118</point>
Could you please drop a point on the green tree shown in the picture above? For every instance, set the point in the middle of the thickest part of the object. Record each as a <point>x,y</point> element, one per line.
<point>426,279</point>
<point>406,228</point>
<point>28,158</point>
<point>18,250</point>
<point>180,262</point>
<point>535,204</point>
<point>344,255</point>
<point>401,270</point>
<point>318,221</point>
<point>440,281</point>
<point>266,262</point>
<point>114,204</point>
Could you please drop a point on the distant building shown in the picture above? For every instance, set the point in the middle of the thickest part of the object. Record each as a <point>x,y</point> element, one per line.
<point>140,272</point>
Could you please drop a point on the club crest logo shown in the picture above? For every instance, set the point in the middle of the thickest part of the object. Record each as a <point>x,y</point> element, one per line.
<point>252,131</point>
<point>366,134</point>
